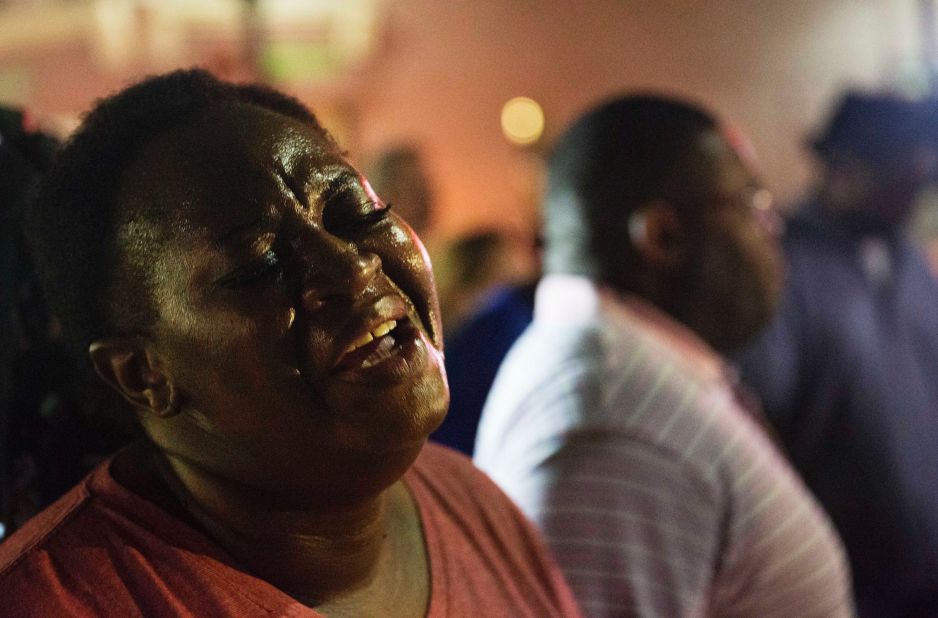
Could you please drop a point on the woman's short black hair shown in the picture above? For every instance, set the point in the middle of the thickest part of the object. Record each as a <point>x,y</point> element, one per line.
<point>72,226</point>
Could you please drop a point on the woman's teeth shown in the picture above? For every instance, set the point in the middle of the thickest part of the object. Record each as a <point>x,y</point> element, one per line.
<point>379,331</point>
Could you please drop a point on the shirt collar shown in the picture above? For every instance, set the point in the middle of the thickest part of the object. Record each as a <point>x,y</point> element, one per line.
<point>566,299</point>
<point>569,300</point>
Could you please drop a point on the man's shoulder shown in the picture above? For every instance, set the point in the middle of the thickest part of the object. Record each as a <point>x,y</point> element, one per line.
<point>544,356</point>
<point>656,387</point>
<point>621,377</point>
<point>598,370</point>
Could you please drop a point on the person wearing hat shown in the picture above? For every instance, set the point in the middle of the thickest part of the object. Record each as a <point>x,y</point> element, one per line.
<point>848,370</point>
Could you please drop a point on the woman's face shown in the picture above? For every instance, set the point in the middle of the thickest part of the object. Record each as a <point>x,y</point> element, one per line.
<point>297,317</point>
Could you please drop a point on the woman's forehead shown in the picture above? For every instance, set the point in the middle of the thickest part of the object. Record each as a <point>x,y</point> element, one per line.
<point>238,137</point>
<point>237,159</point>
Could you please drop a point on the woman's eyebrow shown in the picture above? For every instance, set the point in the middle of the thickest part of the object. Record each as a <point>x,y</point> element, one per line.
<point>266,221</point>
<point>342,181</point>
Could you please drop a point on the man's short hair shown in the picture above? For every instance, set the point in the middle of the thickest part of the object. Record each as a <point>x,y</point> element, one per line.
<point>618,156</point>
<point>73,225</point>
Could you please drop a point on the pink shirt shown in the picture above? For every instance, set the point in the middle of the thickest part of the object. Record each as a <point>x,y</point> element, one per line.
<point>101,550</point>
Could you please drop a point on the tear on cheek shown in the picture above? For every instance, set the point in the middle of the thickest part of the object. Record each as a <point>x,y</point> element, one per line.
<point>291,317</point>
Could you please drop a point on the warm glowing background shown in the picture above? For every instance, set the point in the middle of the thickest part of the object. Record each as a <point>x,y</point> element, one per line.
<point>438,73</point>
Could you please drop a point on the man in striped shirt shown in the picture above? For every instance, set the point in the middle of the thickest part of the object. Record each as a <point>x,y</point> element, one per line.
<point>613,421</point>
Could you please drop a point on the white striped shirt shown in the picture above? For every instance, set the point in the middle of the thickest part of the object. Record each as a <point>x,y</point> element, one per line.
<point>616,431</point>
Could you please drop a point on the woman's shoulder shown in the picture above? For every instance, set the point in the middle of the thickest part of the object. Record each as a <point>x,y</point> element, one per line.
<point>41,530</point>
<point>451,491</point>
<point>449,472</point>
<point>486,557</point>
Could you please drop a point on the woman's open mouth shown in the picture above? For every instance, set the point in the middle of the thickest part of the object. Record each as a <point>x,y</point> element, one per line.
<point>388,350</point>
<point>371,348</point>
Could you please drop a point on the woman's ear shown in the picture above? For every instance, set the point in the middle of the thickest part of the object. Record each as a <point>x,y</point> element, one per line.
<point>657,234</point>
<point>132,371</point>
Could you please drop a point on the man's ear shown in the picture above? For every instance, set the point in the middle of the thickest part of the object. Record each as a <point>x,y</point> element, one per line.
<point>131,370</point>
<point>657,234</point>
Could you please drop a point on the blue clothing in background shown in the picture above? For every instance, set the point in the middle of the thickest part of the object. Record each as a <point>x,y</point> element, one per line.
<point>473,355</point>
<point>848,375</point>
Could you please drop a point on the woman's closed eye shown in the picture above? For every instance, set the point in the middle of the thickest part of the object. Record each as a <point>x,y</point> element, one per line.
<point>269,266</point>
<point>376,213</point>
<point>356,220</point>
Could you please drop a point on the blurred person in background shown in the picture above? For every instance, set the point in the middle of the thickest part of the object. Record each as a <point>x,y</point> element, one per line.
<point>472,266</point>
<point>924,225</point>
<point>47,443</point>
<point>489,325</point>
<point>848,370</point>
<point>399,174</point>
<point>274,326</point>
<point>613,421</point>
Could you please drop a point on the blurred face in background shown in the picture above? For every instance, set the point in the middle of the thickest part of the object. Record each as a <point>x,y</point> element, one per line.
<point>402,180</point>
<point>730,281</point>
<point>876,191</point>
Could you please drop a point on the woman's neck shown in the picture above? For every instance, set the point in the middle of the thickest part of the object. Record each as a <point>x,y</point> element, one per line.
<point>346,557</point>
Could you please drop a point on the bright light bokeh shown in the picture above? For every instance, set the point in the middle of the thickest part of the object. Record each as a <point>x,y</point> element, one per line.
<point>522,120</point>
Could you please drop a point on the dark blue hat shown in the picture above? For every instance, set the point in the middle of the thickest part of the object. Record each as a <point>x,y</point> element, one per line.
<point>874,126</point>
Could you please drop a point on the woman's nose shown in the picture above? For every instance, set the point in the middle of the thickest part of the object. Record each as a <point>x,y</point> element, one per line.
<point>342,271</point>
